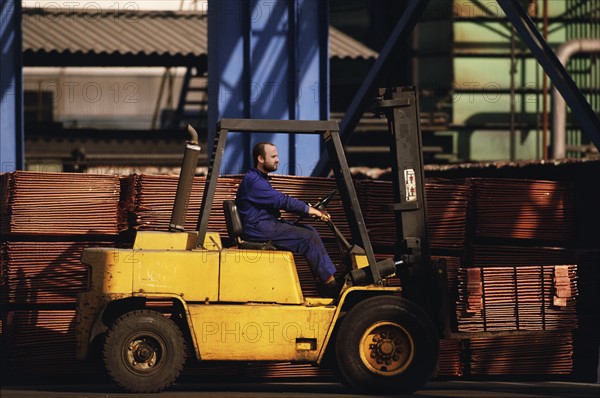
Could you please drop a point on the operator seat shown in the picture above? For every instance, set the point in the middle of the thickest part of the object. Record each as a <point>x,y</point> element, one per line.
<point>234,229</point>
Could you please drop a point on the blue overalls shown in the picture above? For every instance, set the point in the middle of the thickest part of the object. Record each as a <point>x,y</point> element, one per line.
<point>259,206</point>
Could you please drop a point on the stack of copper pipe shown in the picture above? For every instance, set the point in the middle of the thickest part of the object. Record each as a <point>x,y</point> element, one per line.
<point>524,209</point>
<point>43,272</point>
<point>504,298</point>
<point>446,212</point>
<point>549,353</point>
<point>151,204</point>
<point>381,222</point>
<point>501,255</point>
<point>47,219</point>
<point>517,298</point>
<point>516,279</point>
<point>449,362</point>
<point>150,201</point>
<point>60,204</point>
<point>41,342</point>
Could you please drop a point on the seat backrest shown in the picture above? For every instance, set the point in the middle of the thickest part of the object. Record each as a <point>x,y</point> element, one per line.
<point>232,219</point>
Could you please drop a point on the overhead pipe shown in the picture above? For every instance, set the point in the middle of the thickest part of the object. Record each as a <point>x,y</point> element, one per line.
<point>559,108</point>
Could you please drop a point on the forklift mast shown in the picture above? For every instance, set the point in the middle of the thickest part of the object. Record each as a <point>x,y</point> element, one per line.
<point>401,108</point>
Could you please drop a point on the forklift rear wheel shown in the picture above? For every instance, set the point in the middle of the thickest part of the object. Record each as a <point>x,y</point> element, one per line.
<point>386,344</point>
<point>144,351</point>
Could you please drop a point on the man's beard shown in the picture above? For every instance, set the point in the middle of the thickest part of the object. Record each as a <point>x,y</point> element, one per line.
<point>270,167</point>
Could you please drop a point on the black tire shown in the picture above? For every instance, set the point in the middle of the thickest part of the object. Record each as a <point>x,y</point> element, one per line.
<point>386,344</point>
<point>144,351</point>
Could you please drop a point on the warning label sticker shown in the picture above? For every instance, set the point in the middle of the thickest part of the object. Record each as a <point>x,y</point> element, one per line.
<point>411,185</point>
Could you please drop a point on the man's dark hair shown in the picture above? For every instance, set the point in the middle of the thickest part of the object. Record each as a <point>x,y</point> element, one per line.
<point>259,150</point>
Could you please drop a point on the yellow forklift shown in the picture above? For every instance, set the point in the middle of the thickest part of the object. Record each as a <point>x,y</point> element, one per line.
<point>178,293</point>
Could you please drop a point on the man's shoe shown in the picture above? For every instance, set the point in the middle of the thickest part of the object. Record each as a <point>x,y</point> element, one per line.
<point>332,289</point>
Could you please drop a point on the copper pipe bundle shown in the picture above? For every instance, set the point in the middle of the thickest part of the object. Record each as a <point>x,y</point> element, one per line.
<point>524,209</point>
<point>517,298</point>
<point>446,212</point>
<point>43,272</point>
<point>535,354</point>
<point>150,201</point>
<point>37,203</point>
<point>42,343</point>
<point>449,362</point>
<point>380,222</point>
<point>484,255</point>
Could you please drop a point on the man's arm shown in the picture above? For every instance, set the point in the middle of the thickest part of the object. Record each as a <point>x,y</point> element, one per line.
<point>260,192</point>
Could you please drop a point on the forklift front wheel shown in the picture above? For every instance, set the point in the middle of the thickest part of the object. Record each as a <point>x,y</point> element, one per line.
<point>386,344</point>
<point>144,351</point>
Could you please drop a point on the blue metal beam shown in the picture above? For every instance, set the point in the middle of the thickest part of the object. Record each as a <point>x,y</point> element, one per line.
<point>11,87</point>
<point>588,119</point>
<point>268,60</point>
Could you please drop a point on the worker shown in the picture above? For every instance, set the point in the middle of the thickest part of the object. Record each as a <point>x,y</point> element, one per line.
<point>259,206</point>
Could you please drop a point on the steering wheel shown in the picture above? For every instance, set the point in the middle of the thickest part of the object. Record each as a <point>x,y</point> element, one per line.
<point>343,243</point>
<point>320,205</point>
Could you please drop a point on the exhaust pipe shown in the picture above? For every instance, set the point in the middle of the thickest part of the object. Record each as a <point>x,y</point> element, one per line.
<point>186,180</point>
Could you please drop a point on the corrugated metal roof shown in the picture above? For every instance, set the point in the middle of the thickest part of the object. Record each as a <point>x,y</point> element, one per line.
<point>343,46</point>
<point>59,32</point>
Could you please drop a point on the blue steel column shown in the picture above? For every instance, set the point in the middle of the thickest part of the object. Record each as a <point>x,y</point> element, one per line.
<point>268,60</point>
<point>11,86</point>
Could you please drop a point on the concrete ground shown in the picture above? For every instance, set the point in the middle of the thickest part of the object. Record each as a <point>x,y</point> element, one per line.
<point>466,389</point>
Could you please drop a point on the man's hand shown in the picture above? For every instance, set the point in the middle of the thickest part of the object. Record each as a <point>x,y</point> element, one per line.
<point>321,215</point>
<point>325,216</point>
